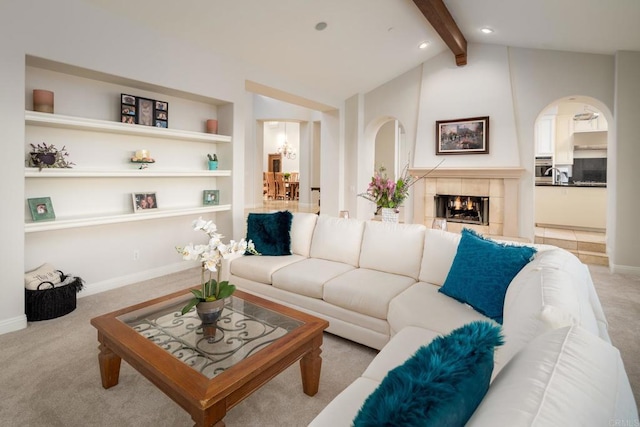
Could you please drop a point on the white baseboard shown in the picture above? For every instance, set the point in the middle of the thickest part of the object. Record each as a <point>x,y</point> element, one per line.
<point>624,269</point>
<point>13,324</point>
<point>118,282</point>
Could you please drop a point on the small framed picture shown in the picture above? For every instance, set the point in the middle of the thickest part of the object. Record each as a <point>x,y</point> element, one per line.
<point>211,197</point>
<point>144,111</point>
<point>462,136</point>
<point>41,209</point>
<point>144,201</point>
<point>127,99</point>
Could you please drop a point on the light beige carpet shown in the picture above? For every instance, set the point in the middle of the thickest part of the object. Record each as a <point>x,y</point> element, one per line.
<point>49,375</point>
<point>49,372</point>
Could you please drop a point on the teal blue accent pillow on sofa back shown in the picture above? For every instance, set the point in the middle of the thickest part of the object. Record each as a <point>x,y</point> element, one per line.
<point>482,271</point>
<point>441,385</point>
<point>270,232</point>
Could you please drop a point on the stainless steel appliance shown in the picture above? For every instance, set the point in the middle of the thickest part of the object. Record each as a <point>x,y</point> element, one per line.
<point>541,166</point>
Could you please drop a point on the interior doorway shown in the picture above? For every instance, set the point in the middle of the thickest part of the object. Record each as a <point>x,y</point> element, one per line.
<point>570,193</point>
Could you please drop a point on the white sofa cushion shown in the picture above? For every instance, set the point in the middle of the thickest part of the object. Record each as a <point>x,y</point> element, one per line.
<point>402,346</point>
<point>341,411</point>
<point>394,248</point>
<point>565,377</point>
<point>542,297</point>
<point>308,276</point>
<point>365,291</point>
<point>260,268</point>
<point>337,239</point>
<point>302,227</point>
<point>440,249</point>
<point>422,305</point>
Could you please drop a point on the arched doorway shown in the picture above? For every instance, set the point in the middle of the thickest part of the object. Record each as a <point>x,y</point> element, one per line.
<point>385,145</point>
<point>572,141</point>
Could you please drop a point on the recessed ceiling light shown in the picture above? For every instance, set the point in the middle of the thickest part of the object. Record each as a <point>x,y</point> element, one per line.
<point>486,30</point>
<point>321,26</point>
<point>424,45</point>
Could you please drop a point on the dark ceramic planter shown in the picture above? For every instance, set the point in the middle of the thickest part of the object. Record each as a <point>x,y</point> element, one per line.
<point>43,158</point>
<point>209,312</point>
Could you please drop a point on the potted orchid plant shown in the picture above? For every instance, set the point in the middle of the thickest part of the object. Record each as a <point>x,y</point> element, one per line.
<point>209,299</point>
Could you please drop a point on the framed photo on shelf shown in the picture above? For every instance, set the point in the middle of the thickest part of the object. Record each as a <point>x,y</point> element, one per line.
<point>462,136</point>
<point>211,197</point>
<point>144,201</point>
<point>41,209</point>
<point>127,108</point>
<point>143,111</point>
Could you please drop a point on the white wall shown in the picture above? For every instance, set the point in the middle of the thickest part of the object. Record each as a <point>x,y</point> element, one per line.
<point>540,78</point>
<point>623,217</point>
<point>397,99</point>
<point>481,88</point>
<point>75,33</point>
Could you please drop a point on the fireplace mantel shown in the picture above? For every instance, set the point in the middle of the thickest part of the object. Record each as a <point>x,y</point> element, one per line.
<point>477,173</point>
<point>502,183</point>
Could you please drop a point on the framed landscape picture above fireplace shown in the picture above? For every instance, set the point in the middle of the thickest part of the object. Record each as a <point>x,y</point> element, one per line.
<point>462,136</point>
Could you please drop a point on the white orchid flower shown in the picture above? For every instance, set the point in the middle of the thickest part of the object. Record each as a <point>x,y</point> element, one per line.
<point>211,264</point>
<point>188,252</point>
<point>200,224</point>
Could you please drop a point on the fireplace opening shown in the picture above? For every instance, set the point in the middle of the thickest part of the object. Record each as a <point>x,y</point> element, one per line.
<point>464,209</point>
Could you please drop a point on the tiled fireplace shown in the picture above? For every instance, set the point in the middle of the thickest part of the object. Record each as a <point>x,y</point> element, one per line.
<point>498,186</point>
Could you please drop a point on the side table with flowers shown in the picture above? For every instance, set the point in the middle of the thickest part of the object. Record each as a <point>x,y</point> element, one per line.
<point>209,300</point>
<point>389,195</point>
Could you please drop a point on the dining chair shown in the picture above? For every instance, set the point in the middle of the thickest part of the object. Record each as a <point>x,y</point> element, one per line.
<point>271,186</point>
<point>281,191</point>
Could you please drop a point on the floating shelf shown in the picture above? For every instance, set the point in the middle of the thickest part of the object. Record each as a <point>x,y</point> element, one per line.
<point>125,173</point>
<point>79,123</point>
<point>60,224</point>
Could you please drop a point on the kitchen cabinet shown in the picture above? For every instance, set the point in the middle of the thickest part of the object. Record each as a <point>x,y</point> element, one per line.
<point>568,206</point>
<point>545,135</point>
<point>563,150</point>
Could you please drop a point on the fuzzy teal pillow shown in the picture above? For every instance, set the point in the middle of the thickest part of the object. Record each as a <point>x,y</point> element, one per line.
<point>482,271</point>
<point>441,385</point>
<point>270,232</point>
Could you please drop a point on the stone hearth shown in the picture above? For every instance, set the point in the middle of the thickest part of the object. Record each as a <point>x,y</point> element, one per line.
<point>501,185</point>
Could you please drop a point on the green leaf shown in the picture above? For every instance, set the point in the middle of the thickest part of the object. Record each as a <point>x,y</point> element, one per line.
<point>192,303</point>
<point>226,290</point>
<point>197,293</point>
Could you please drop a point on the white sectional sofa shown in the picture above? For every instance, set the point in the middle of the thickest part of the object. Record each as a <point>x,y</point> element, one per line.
<point>377,284</point>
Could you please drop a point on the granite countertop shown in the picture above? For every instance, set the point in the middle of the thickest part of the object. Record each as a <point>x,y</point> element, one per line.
<point>573,184</point>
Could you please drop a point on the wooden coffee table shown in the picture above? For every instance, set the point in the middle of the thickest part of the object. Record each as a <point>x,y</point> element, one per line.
<point>209,372</point>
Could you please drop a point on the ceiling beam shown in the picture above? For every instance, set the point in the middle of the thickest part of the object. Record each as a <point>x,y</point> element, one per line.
<point>441,20</point>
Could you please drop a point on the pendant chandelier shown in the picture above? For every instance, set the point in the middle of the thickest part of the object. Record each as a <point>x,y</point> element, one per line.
<point>285,148</point>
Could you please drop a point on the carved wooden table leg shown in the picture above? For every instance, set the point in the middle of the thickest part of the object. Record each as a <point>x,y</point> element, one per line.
<point>109,366</point>
<point>310,366</point>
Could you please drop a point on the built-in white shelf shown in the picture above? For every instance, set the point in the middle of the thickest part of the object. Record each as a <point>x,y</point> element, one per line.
<point>35,118</point>
<point>130,173</point>
<point>62,223</point>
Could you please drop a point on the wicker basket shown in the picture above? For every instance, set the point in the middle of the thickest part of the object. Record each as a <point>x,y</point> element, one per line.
<point>51,301</point>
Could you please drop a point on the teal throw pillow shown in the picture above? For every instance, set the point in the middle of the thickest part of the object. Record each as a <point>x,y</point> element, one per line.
<point>270,232</point>
<point>441,385</point>
<point>482,271</point>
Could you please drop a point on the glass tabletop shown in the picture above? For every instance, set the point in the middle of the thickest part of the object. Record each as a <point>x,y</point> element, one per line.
<point>243,329</point>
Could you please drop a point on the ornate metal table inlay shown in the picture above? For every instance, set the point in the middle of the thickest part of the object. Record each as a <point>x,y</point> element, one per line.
<point>242,330</point>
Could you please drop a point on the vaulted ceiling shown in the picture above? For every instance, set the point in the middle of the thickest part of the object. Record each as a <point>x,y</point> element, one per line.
<point>368,42</point>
